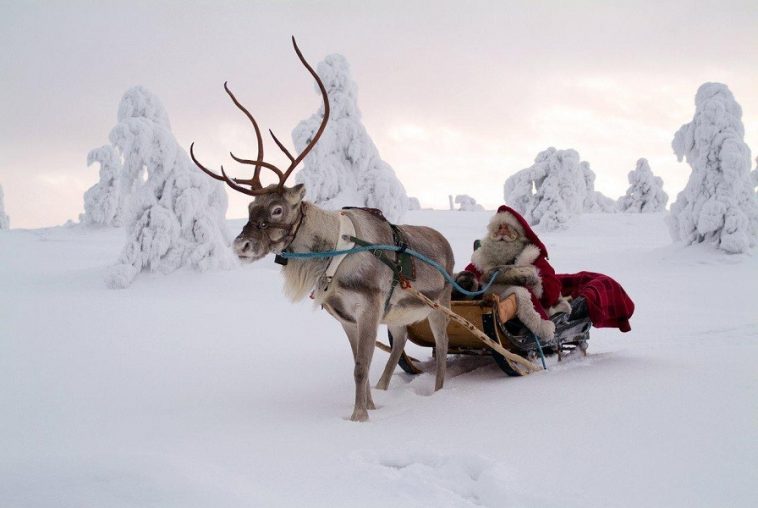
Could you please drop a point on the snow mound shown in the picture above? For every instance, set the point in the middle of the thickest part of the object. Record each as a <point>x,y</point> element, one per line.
<point>5,221</point>
<point>645,193</point>
<point>467,203</point>
<point>718,205</point>
<point>344,168</point>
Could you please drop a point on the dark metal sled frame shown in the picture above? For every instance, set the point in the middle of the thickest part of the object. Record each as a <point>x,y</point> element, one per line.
<point>512,335</point>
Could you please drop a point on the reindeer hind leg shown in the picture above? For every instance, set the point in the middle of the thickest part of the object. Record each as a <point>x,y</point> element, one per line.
<point>438,321</point>
<point>399,336</point>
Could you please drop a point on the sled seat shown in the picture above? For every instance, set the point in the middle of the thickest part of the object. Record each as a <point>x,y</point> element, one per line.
<point>478,312</point>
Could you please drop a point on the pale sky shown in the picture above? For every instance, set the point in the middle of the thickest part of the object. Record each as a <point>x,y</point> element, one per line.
<point>456,95</point>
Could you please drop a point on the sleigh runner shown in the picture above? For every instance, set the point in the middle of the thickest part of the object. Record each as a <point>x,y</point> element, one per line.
<point>497,320</point>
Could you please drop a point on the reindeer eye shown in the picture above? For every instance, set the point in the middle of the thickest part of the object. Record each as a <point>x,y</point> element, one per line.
<point>276,211</point>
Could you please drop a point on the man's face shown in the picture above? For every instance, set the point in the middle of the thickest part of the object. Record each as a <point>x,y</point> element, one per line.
<point>505,233</point>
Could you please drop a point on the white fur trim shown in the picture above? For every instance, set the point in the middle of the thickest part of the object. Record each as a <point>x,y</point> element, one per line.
<point>542,328</point>
<point>563,305</point>
<point>507,218</point>
<point>537,289</point>
<point>477,261</point>
<point>528,256</point>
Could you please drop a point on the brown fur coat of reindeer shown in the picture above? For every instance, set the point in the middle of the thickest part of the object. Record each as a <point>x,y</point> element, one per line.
<point>280,219</point>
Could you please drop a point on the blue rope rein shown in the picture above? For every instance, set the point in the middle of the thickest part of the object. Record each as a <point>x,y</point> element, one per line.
<point>394,248</point>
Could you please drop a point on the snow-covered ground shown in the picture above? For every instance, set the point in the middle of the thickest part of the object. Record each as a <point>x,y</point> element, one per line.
<point>210,389</point>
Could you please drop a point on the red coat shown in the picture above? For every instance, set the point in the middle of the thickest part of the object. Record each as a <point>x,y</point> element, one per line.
<point>607,302</point>
<point>548,293</point>
<point>543,297</point>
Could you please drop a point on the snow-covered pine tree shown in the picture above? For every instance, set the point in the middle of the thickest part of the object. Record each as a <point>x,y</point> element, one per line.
<point>467,203</point>
<point>557,187</point>
<point>5,221</point>
<point>175,217</point>
<point>645,193</point>
<point>105,202</point>
<point>102,200</point>
<point>413,203</point>
<point>344,168</point>
<point>719,204</point>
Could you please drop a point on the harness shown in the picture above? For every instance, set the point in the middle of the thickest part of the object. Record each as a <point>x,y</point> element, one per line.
<point>403,266</point>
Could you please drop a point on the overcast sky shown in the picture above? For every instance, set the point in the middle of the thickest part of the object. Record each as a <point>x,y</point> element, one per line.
<point>456,95</point>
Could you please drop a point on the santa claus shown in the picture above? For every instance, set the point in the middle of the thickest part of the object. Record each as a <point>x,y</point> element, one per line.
<point>520,259</point>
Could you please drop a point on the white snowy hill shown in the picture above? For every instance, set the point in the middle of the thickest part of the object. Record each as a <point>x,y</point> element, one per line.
<point>211,390</point>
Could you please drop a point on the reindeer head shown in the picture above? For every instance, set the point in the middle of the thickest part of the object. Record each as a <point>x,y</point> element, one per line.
<point>276,212</point>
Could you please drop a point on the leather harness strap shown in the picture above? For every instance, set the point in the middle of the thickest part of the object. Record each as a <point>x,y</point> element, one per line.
<point>403,266</point>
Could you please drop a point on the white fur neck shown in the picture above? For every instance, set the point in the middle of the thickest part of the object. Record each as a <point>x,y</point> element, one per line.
<point>318,232</point>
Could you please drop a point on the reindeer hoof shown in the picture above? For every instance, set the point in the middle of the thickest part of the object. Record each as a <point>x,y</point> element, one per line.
<point>359,415</point>
<point>382,385</point>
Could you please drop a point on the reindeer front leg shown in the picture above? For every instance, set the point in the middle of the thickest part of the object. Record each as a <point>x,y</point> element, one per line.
<point>368,322</point>
<point>351,330</point>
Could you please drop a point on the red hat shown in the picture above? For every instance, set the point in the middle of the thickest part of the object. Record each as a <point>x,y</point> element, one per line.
<point>530,235</point>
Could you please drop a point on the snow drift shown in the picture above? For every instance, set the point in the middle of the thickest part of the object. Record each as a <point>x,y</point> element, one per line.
<point>5,221</point>
<point>467,203</point>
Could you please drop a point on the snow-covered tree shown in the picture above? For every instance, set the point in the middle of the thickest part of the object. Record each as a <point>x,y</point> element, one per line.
<point>754,175</point>
<point>413,204</point>
<point>645,193</point>
<point>106,202</point>
<point>557,187</point>
<point>5,221</point>
<point>175,217</point>
<point>718,205</point>
<point>467,203</point>
<point>344,168</point>
<point>102,200</point>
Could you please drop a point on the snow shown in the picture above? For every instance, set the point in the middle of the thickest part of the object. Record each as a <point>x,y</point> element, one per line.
<point>211,389</point>
<point>413,203</point>
<point>175,217</point>
<point>344,168</point>
<point>719,204</point>
<point>645,193</point>
<point>557,188</point>
<point>5,221</point>
<point>102,201</point>
<point>467,203</point>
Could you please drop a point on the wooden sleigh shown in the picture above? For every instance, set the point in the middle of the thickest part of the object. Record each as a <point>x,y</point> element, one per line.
<point>496,319</point>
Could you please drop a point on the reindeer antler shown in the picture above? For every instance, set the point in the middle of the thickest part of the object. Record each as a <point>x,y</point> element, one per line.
<point>256,188</point>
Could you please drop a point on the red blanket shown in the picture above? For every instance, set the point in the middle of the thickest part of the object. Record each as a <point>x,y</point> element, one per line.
<point>607,302</point>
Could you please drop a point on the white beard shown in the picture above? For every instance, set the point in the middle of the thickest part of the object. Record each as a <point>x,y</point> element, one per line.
<point>498,252</point>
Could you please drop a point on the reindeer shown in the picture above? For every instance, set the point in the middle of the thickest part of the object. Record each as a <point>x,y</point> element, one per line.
<point>359,294</point>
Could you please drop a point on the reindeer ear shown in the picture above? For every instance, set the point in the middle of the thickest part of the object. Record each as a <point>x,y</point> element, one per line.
<point>295,194</point>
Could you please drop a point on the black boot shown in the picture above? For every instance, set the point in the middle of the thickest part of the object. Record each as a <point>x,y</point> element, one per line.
<point>578,309</point>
